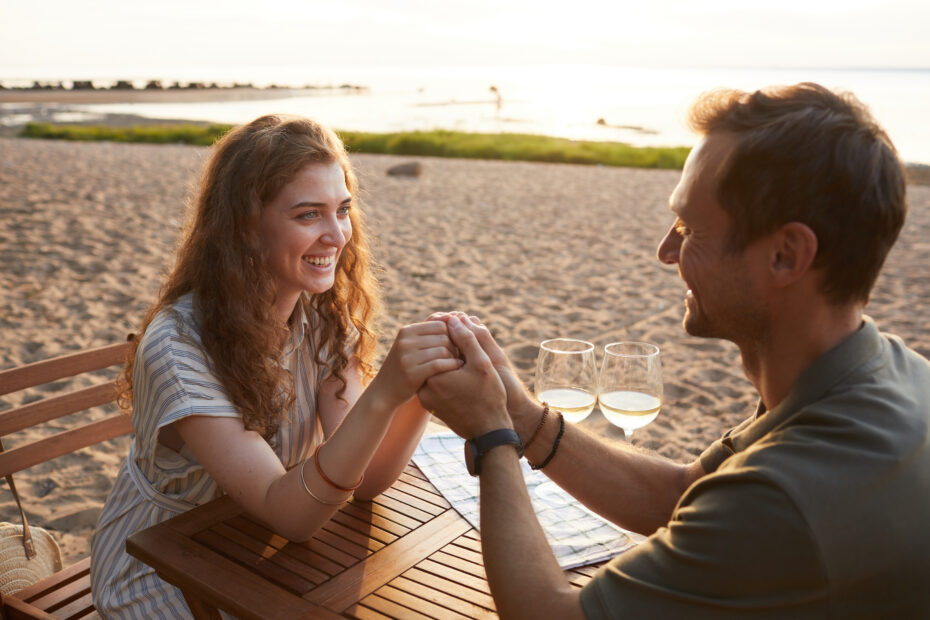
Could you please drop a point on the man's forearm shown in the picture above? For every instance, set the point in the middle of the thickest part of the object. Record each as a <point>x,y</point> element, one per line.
<point>525,578</point>
<point>634,490</point>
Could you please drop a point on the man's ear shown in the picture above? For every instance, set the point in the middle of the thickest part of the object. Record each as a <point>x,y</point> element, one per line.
<point>794,250</point>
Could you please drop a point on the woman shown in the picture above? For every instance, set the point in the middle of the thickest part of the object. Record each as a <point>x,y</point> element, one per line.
<point>254,359</point>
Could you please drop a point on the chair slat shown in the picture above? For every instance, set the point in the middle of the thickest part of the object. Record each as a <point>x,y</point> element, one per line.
<point>15,609</point>
<point>56,407</point>
<point>46,371</point>
<point>75,573</point>
<point>57,445</point>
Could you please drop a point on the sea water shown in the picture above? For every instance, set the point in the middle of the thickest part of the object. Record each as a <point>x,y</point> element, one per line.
<point>640,106</point>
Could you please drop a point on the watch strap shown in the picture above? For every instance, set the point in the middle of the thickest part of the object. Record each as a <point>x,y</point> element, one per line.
<point>482,444</point>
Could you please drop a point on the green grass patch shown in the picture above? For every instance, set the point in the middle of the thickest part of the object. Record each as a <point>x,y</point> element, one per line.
<point>438,143</point>
<point>200,135</point>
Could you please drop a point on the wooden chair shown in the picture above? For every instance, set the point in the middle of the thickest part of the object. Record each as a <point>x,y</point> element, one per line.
<point>66,594</point>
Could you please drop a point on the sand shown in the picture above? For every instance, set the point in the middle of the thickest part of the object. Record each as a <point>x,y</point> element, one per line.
<point>536,250</point>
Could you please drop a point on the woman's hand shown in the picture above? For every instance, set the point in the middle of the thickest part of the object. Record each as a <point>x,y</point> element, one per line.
<point>419,351</point>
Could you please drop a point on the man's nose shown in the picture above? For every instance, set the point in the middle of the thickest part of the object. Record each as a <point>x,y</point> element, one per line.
<point>668,249</point>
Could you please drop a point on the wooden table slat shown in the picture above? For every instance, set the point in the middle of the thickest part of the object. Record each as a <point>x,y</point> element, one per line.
<point>454,588</point>
<point>253,561</point>
<point>364,578</point>
<point>464,554</point>
<point>469,543</point>
<point>392,609</point>
<point>365,613</point>
<point>299,551</point>
<point>413,500</point>
<point>378,508</point>
<point>421,605</point>
<point>271,553</point>
<point>413,470</point>
<point>380,516</point>
<point>340,544</point>
<point>465,566</point>
<point>444,599</point>
<point>169,549</point>
<point>421,483</point>
<point>453,574</point>
<point>366,527</point>
<point>352,535</point>
<point>405,509</point>
<point>406,483</point>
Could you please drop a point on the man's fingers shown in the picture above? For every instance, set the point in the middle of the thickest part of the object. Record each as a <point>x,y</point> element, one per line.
<point>466,341</point>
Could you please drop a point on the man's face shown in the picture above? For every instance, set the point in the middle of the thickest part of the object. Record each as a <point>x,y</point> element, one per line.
<point>724,299</point>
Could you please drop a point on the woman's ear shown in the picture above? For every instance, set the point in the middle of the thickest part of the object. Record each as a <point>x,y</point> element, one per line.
<point>795,247</point>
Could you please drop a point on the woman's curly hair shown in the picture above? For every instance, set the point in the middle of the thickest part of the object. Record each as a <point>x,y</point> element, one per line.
<point>221,261</point>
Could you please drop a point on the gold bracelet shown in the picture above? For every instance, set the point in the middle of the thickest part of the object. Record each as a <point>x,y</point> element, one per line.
<point>319,470</point>
<point>312,494</point>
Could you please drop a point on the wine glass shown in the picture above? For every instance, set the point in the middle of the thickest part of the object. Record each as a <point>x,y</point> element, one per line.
<point>630,385</point>
<point>566,377</point>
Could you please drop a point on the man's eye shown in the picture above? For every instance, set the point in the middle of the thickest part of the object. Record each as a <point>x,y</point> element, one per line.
<point>681,229</point>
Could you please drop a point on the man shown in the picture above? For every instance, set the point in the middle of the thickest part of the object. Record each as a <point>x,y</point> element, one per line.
<point>817,505</point>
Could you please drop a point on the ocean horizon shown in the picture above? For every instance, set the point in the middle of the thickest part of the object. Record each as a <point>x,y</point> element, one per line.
<point>639,106</point>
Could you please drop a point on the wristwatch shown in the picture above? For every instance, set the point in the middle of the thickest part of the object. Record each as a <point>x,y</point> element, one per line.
<point>477,447</point>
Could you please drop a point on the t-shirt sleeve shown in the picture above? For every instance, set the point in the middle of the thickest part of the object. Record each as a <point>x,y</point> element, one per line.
<point>173,379</point>
<point>736,547</point>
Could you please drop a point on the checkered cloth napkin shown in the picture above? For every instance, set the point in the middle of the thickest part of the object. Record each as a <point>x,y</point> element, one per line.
<point>577,535</point>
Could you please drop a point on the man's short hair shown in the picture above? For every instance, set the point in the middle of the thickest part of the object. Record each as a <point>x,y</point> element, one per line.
<point>804,153</point>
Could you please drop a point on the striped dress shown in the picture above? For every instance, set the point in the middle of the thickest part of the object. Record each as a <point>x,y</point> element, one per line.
<point>172,379</point>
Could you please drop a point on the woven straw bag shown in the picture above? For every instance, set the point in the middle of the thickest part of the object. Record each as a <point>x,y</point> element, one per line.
<point>27,554</point>
<point>18,571</point>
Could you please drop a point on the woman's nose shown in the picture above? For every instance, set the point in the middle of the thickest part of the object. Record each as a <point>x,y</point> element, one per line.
<point>333,231</point>
<point>668,249</point>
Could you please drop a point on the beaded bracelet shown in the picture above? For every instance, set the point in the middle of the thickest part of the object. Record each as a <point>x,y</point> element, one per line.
<point>314,495</point>
<point>555,445</point>
<point>319,470</point>
<point>539,426</point>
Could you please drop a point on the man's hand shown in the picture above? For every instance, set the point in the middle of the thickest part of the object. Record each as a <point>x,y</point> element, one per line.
<point>523,409</point>
<point>471,399</point>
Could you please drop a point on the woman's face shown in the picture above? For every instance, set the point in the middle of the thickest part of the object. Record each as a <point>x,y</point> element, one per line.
<point>303,231</point>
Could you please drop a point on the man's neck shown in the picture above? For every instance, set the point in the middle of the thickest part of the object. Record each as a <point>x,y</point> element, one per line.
<point>793,342</point>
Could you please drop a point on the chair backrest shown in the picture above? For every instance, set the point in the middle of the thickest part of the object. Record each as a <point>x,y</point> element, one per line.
<point>31,414</point>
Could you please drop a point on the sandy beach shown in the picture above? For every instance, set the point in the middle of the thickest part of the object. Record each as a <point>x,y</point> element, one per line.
<point>536,250</point>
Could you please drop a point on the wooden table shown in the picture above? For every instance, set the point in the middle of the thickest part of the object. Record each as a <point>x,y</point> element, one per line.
<point>407,554</point>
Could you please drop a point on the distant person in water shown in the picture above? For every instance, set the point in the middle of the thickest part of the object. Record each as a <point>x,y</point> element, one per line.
<point>256,360</point>
<point>498,100</point>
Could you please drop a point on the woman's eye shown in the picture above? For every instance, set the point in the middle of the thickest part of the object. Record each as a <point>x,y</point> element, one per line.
<point>344,209</point>
<point>308,215</point>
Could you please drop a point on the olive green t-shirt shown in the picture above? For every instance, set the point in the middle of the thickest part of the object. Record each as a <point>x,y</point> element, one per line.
<point>819,508</point>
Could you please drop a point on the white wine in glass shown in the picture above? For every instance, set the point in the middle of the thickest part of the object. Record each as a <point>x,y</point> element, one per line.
<point>630,385</point>
<point>566,377</point>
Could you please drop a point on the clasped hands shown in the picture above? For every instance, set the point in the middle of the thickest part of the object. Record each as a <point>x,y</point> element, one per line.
<point>484,393</point>
<point>459,372</point>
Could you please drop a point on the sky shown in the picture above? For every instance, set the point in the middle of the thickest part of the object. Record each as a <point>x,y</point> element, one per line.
<point>113,37</point>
